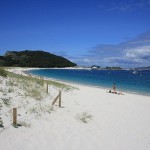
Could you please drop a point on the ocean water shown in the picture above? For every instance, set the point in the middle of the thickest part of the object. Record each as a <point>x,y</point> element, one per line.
<point>126,80</point>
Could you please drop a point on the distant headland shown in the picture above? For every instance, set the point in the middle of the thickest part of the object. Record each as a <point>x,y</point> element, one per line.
<point>28,58</point>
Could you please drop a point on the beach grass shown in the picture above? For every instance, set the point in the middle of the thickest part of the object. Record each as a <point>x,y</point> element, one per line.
<point>3,73</point>
<point>37,82</point>
<point>84,117</point>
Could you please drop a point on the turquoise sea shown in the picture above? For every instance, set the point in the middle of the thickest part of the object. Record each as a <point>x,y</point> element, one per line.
<point>126,80</point>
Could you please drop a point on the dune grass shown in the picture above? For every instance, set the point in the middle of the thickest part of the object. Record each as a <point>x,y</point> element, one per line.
<point>33,86</point>
<point>84,117</point>
<point>3,73</point>
<point>40,81</point>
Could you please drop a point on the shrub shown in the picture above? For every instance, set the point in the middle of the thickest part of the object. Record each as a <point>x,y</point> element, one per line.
<point>6,101</point>
<point>84,117</point>
<point>3,73</point>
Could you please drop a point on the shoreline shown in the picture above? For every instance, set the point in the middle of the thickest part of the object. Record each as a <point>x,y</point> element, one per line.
<point>24,71</point>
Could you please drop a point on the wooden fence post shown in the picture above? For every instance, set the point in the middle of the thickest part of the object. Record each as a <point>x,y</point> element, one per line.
<point>47,88</point>
<point>14,116</point>
<point>55,100</point>
<point>59,98</point>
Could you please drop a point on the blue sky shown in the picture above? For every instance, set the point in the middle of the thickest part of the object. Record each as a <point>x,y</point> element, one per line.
<point>88,32</point>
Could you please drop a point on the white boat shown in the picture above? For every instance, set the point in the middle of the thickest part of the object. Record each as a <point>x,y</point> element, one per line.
<point>135,72</point>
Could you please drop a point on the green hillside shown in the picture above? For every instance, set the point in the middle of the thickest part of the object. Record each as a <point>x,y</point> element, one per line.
<point>29,58</point>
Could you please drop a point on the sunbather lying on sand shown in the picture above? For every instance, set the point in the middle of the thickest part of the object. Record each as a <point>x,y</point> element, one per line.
<point>119,93</point>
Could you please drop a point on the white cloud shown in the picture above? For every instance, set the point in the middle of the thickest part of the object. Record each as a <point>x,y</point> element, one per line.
<point>139,52</point>
<point>86,60</point>
<point>127,5</point>
<point>133,53</point>
<point>139,56</point>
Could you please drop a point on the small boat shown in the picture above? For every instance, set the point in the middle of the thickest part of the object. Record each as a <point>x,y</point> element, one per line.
<point>135,72</point>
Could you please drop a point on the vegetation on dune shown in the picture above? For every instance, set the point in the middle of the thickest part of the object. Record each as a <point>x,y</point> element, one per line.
<point>29,87</point>
<point>84,117</point>
<point>28,94</point>
<point>39,82</point>
<point>3,73</point>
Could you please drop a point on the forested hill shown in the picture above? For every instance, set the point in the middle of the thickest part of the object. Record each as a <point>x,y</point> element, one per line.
<point>29,58</point>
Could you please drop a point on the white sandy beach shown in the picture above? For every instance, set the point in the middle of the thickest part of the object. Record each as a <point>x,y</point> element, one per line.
<point>90,119</point>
